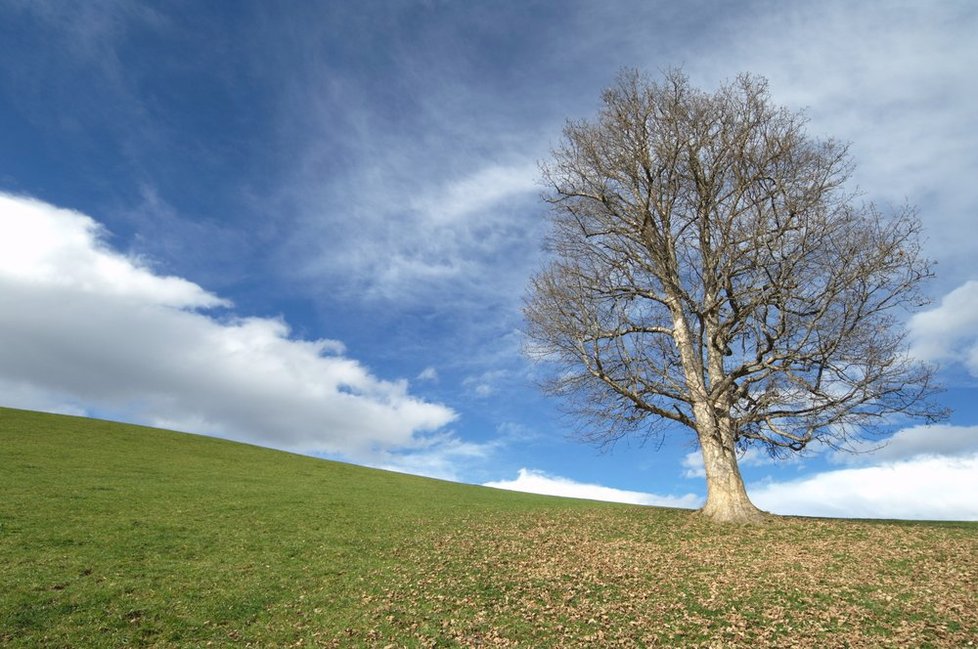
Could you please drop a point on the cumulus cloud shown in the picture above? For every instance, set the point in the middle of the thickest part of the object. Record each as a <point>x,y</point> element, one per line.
<point>538,482</point>
<point>84,326</point>
<point>927,488</point>
<point>60,250</point>
<point>949,331</point>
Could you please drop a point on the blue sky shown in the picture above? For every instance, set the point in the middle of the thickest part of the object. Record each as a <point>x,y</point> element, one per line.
<point>310,225</point>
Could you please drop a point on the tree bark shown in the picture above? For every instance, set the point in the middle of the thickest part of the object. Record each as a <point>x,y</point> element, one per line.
<point>726,497</point>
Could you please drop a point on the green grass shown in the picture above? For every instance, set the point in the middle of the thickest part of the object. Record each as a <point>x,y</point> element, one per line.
<point>121,536</point>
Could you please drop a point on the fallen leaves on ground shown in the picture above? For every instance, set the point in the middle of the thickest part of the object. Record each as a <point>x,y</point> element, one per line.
<point>645,578</point>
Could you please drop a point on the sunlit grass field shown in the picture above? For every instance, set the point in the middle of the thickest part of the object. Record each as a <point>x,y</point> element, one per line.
<point>120,536</point>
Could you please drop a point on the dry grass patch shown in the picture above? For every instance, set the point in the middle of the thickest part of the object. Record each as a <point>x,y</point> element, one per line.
<point>629,577</point>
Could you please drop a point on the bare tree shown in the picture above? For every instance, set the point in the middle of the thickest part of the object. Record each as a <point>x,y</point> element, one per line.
<point>710,272</point>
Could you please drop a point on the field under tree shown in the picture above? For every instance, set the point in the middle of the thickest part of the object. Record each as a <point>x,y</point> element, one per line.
<point>121,536</point>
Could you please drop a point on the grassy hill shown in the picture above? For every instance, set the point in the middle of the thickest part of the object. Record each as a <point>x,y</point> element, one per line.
<point>122,536</point>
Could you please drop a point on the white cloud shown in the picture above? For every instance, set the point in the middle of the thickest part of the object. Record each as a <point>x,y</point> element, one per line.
<point>949,331</point>
<point>84,326</point>
<point>537,482</point>
<point>405,238</point>
<point>921,472</point>
<point>477,192</point>
<point>441,456</point>
<point>895,81</point>
<point>486,384</point>
<point>30,397</point>
<point>428,374</point>
<point>63,250</point>
<point>929,488</point>
<point>932,440</point>
<point>692,462</point>
<point>483,390</point>
<point>515,432</point>
<point>434,200</point>
<point>693,465</point>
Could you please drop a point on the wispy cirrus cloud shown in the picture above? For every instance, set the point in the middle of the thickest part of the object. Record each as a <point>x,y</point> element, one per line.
<point>901,97</point>
<point>401,240</point>
<point>422,188</point>
<point>79,53</point>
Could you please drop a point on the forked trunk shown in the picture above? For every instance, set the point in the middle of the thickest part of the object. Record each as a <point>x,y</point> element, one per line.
<point>726,497</point>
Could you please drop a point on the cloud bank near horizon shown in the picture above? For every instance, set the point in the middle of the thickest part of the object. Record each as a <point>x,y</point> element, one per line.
<point>927,472</point>
<point>85,327</point>
<point>921,473</point>
<point>538,482</point>
<point>925,488</point>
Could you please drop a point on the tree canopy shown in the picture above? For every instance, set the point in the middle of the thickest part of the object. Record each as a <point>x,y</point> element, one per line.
<point>711,270</point>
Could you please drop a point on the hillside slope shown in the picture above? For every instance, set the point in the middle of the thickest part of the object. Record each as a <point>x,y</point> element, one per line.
<point>114,535</point>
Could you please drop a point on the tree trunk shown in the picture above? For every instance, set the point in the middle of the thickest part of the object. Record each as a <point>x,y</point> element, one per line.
<point>726,497</point>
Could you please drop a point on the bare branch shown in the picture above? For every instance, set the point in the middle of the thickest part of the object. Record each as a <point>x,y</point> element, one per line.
<point>711,270</point>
